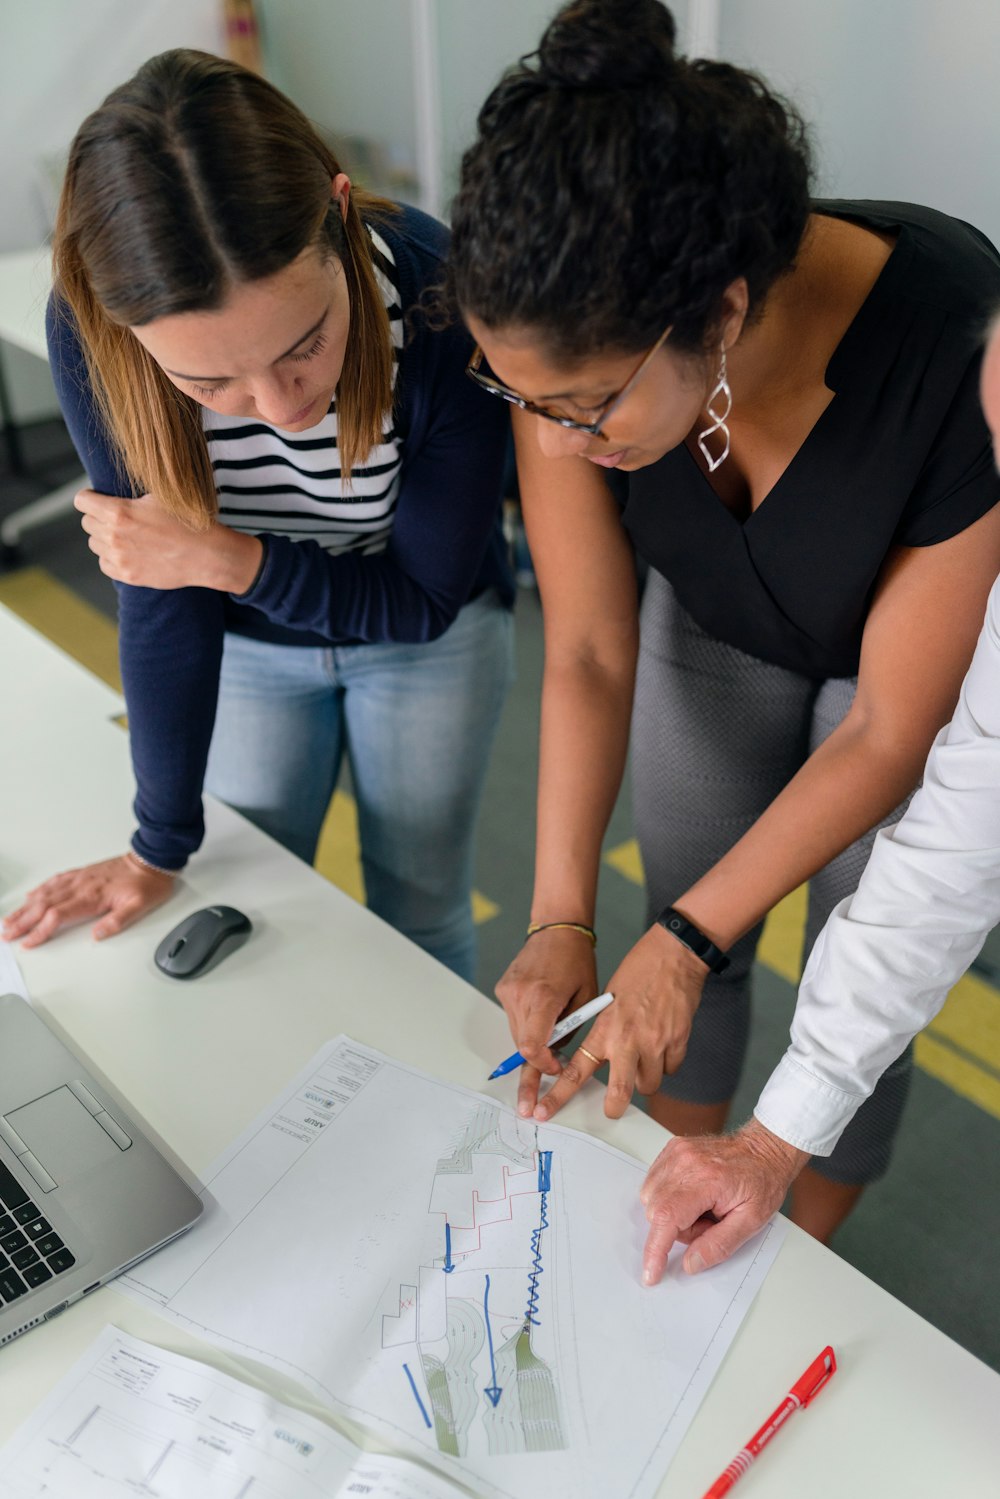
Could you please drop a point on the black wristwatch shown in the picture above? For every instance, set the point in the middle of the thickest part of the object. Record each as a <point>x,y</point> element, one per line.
<point>688,934</point>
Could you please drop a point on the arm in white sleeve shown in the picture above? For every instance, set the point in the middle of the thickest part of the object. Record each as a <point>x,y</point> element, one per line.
<point>886,959</point>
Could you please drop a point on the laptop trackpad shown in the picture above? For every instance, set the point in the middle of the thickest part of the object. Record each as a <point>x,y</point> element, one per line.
<point>60,1132</point>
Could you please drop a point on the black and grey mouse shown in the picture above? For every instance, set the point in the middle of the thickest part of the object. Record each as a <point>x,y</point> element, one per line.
<point>201,941</point>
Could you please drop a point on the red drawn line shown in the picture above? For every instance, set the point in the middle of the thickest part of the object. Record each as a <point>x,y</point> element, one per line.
<point>475,1226</point>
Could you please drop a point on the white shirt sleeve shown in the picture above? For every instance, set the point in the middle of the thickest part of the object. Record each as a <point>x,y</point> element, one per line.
<point>886,959</point>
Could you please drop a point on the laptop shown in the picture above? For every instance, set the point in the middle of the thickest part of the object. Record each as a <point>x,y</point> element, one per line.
<point>83,1192</point>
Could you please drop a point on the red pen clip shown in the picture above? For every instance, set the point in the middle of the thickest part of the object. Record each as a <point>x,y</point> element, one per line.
<point>815,1377</point>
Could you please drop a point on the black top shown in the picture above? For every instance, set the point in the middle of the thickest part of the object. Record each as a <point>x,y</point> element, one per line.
<point>900,457</point>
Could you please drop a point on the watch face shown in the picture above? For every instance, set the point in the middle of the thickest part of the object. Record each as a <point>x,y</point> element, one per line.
<point>687,933</point>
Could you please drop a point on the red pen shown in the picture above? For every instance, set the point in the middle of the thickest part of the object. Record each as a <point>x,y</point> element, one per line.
<point>798,1397</point>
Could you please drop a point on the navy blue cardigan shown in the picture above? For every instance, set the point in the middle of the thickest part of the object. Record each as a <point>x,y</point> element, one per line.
<point>445,548</point>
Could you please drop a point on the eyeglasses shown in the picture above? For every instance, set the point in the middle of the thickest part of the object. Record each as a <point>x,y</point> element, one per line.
<point>593,429</point>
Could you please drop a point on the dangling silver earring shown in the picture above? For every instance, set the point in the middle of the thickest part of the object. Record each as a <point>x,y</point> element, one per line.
<point>724,396</point>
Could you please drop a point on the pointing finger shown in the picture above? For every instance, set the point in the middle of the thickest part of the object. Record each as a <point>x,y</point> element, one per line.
<point>577,1071</point>
<point>527,1090</point>
<point>660,1240</point>
<point>621,1082</point>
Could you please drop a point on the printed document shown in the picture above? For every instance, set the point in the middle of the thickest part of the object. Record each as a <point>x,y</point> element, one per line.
<point>133,1419</point>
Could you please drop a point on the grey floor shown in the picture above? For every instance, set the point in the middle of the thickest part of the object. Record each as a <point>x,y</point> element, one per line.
<point>929,1232</point>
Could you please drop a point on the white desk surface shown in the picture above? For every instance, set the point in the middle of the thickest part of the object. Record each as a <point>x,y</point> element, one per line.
<point>25,279</point>
<point>909,1412</point>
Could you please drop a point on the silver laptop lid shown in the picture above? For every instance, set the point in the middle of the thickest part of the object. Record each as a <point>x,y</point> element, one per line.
<point>83,1192</point>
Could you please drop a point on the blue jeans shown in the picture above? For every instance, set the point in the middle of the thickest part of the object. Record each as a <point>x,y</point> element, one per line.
<point>417,724</point>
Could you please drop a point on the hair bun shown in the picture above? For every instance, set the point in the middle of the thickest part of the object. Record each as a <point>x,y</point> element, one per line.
<point>608,44</point>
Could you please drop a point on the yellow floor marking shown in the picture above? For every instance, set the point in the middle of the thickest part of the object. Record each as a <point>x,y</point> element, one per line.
<point>971,1019</point>
<point>72,624</point>
<point>627,859</point>
<point>958,1073</point>
<point>483,909</point>
<point>780,946</point>
<point>338,857</point>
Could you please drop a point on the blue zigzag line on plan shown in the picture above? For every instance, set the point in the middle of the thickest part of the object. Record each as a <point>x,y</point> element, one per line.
<point>536,1250</point>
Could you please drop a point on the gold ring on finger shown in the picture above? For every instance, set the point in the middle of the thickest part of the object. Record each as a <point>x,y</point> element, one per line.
<point>590,1056</point>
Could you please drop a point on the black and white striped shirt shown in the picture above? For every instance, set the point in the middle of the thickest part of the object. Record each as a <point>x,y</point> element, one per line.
<point>268,480</point>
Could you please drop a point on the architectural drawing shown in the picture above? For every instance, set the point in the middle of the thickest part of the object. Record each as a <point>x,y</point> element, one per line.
<point>463,1283</point>
<point>477,1359</point>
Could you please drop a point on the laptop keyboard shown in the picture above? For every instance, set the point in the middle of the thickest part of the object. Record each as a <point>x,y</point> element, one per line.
<point>31,1252</point>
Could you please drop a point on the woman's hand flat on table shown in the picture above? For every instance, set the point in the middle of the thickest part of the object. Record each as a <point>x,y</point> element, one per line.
<point>119,891</point>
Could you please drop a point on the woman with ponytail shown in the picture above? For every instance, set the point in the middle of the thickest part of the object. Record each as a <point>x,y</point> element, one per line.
<point>790,385</point>
<point>295,489</point>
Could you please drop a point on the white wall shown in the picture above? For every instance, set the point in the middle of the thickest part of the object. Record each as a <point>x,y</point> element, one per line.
<point>350,66</point>
<point>347,64</point>
<point>58,59</point>
<point>903,95</point>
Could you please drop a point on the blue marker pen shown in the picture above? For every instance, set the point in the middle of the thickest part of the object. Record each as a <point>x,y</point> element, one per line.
<point>563,1028</point>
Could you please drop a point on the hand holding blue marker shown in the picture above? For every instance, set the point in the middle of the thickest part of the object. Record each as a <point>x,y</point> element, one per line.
<point>563,1027</point>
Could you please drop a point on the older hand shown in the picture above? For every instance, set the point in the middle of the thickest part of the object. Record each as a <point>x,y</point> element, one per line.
<point>714,1192</point>
<point>657,990</point>
<point>140,543</point>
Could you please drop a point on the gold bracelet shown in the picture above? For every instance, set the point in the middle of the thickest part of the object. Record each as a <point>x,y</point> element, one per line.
<point>570,926</point>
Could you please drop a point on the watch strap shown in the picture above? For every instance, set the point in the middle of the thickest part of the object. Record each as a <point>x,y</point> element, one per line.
<point>690,937</point>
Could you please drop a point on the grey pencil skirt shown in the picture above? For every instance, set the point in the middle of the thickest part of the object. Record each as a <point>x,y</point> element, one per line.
<point>716,735</point>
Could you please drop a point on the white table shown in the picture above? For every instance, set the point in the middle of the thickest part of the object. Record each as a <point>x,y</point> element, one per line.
<point>909,1412</point>
<point>25,279</point>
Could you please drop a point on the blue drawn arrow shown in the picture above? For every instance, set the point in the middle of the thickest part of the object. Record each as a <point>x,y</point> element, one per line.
<point>416,1394</point>
<point>448,1266</point>
<point>492,1391</point>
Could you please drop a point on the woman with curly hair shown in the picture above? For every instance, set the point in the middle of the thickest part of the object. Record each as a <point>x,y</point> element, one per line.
<point>295,489</point>
<point>790,385</point>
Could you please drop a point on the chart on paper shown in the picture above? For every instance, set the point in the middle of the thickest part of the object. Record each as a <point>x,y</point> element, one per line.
<point>464,1283</point>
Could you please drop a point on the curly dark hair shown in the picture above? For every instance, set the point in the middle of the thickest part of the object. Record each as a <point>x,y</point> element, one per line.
<point>614,188</point>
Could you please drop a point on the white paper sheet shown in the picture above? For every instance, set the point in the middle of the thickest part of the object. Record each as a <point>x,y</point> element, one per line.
<point>131,1419</point>
<point>462,1282</point>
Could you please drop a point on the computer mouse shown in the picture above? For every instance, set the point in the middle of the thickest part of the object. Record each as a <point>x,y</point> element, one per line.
<point>201,941</point>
